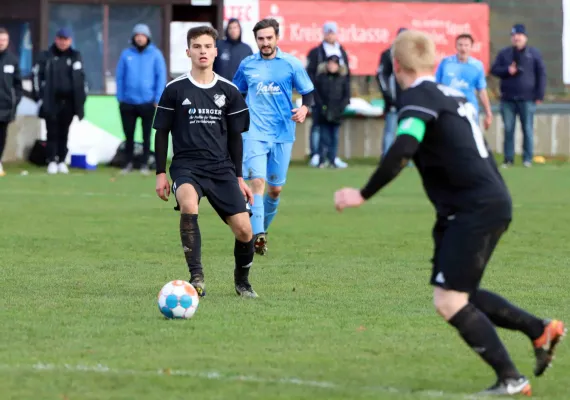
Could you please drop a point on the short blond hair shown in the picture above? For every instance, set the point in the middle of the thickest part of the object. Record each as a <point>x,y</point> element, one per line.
<point>414,51</point>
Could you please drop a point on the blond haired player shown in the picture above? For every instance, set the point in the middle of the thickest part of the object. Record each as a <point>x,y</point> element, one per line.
<point>474,209</point>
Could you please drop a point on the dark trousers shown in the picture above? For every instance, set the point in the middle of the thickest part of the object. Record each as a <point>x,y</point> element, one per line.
<point>328,143</point>
<point>57,126</point>
<point>3,134</point>
<point>129,115</point>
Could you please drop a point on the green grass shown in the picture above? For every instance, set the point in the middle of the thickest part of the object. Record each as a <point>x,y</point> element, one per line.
<point>344,300</point>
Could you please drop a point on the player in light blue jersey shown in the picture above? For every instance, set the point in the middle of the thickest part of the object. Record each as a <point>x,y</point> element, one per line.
<point>268,78</point>
<point>466,74</point>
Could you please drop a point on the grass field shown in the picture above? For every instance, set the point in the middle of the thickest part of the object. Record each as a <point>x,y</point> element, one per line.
<point>345,309</point>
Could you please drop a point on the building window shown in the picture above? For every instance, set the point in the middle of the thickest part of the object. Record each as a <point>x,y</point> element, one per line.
<point>122,20</point>
<point>100,33</point>
<point>86,23</point>
<point>20,43</point>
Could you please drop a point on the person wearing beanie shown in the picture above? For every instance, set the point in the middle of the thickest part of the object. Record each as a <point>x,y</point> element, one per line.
<point>61,90</point>
<point>231,51</point>
<point>328,47</point>
<point>141,78</point>
<point>523,82</point>
<point>10,89</point>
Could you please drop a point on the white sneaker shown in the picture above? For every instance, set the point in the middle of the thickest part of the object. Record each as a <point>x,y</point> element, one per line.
<point>52,168</point>
<point>314,161</point>
<point>339,163</point>
<point>527,164</point>
<point>2,173</point>
<point>62,168</point>
<point>145,170</point>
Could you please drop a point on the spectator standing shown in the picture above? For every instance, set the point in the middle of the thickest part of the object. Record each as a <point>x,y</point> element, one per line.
<point>61,91</point>
<point>10,89</point>
<point>331,98</point>
<point>141,78</point>
<point>390,90</point>
<point>231,51</point>
<point>466,74</point>
<point>523,82</point>
<point>328,47</point>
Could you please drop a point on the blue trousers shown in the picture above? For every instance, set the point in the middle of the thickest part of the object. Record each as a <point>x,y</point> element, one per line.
<point>509,111</point>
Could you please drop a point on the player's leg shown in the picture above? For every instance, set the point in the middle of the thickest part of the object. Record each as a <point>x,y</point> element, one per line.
<point>457,271</point>
<point>226,198</point>
<point>277,167</point>
<point>188,193</point>
<point>243,253</point>
<point>255,171</point>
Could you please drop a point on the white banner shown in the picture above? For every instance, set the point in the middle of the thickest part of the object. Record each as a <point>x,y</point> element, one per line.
<point>566,41</point>
<point>247,11</point>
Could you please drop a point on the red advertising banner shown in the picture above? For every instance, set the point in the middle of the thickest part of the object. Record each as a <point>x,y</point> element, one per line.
<point>367,29</point>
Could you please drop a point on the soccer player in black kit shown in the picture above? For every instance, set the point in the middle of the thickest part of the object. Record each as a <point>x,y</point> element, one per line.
<point>206,115</point>
<point>437,129</point>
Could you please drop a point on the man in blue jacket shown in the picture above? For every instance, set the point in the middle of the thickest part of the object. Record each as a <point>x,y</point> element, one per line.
<point>231,51</point>
<point>523,82</point>
<point>141,78</point>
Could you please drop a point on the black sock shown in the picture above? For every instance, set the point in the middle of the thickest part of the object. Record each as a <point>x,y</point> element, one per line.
<point>191,243</point>
<point>243,253</point>
<point>480,334</point>
<point>506,315</point>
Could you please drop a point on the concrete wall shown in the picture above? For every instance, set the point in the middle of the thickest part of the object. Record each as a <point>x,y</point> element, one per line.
<point>359,137</point>
<point>363,137</point>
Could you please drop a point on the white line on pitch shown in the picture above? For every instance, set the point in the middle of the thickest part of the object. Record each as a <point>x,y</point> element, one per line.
<point>103,369</point>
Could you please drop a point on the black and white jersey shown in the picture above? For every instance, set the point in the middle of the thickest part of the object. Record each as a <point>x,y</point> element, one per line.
<point>198,117</point>
<point>458,171</point>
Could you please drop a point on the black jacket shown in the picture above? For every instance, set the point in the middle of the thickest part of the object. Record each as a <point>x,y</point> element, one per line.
<point>317,56</point>
<point>387,80</point>
<point>230,55</point>
<point>331,95</point>
<point>44,81</point>
<point>10,86</point>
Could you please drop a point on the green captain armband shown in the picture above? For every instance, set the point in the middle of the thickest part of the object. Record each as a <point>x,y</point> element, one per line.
<point>414,127</point>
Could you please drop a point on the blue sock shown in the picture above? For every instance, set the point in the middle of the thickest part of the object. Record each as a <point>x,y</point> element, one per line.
<point>270,205</point>
<point>257,217</point>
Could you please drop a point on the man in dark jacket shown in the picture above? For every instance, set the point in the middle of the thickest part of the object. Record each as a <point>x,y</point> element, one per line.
<point>231,51</point>
<point>390,91</point>
<point>319,54</point>
<point>60,89</point>
<point>331,98</point>
<point>523,83</point>
<point>10,89</point>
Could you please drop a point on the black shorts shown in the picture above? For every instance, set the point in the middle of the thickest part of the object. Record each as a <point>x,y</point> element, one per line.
<point>224,194</point>
<point>464,244</point>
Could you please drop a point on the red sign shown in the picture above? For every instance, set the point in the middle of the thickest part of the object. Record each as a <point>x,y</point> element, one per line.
<point>367,29</point>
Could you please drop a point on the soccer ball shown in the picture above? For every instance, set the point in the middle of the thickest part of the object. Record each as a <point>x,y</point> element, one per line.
<point>178,299</point>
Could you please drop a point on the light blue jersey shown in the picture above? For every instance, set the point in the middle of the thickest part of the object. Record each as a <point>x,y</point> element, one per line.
<point>269,86</point>
<point>467,77</point>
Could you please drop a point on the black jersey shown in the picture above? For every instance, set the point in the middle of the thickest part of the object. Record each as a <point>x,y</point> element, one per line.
<point>458,171</point>
<point>198,117</point>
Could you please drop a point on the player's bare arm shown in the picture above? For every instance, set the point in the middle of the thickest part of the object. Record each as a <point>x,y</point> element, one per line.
<point>487,106</point>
